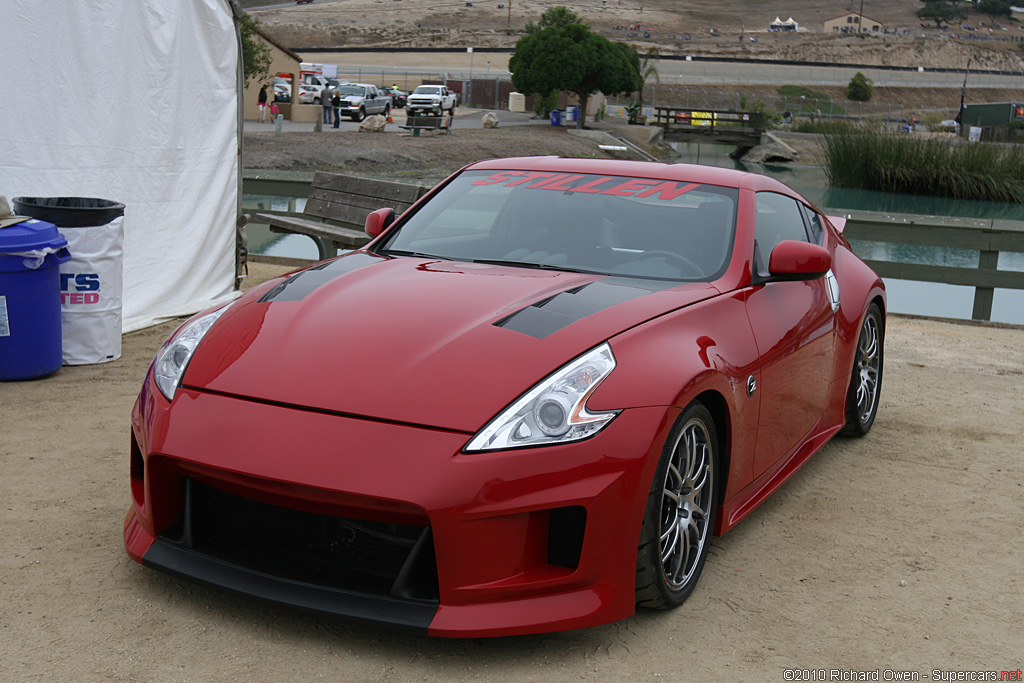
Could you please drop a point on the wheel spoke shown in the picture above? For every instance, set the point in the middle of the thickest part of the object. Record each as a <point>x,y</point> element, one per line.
<point>674,476</point>
<point>682,560</point>
<point>672,535</point>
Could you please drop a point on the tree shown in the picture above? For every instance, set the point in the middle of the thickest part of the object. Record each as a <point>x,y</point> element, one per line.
<point>996,9</point>
<point>255,53</point>
<point>940,12</point>
<point>570,57</point>
<point>860,88</point>
<point>645,66</point>
<point>554,16</point>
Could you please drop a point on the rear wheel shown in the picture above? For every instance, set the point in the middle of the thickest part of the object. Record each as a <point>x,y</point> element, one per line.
<point>680,513</point>
<point>866,380</point>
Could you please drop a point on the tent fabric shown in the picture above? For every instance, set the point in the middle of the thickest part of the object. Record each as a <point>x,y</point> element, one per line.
<point>134,101</point>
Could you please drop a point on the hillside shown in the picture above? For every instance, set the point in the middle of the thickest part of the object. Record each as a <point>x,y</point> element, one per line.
<point>703,27</point>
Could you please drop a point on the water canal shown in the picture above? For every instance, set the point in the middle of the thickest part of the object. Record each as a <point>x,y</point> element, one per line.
<point>905,296</point>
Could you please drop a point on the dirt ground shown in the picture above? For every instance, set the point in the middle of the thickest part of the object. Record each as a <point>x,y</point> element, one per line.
<point>697,27</point>
<point>427,159</point>
<point>898,551</point>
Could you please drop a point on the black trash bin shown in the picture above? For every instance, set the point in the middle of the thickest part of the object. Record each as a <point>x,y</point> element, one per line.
<point>92,283</point>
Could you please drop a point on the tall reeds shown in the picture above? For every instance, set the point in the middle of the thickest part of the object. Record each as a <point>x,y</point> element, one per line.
<point>890,162</point>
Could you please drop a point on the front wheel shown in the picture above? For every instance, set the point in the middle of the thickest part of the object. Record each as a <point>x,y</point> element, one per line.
<point>866,380</point>
<point>680,513</point>
<point>359,115</point>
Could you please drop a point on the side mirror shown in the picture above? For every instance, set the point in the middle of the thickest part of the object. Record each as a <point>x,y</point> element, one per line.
<point>795,260</point>
<point>379,220</point>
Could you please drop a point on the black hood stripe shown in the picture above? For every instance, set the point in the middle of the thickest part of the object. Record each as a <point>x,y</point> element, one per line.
<point>302,284</point>
<point>561,310</point>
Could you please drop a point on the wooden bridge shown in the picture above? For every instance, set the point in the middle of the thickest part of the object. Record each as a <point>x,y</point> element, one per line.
<point>740,128</point>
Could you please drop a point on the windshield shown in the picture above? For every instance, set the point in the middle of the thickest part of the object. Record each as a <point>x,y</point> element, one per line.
<point>612,225</point>
<point>427,90</point>
<point>349,90</point>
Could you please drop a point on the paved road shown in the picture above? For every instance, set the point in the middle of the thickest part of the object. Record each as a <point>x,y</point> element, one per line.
<point>407,69</point>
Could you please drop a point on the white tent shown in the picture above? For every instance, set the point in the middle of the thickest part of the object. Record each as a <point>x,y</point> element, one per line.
<point>135,101</point>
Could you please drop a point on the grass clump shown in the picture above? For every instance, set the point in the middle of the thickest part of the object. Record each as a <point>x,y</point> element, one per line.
<point>899,163</point>
<point>823,127</point>
<point>803,100</point>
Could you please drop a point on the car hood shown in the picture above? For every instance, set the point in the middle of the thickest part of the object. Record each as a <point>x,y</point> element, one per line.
<point>428,342</point>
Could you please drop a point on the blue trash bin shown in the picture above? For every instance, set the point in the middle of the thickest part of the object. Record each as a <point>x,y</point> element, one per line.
<point>556,117</point>
<point>30,330</point>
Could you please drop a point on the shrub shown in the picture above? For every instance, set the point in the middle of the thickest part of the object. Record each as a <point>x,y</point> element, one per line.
<point>860,88</point>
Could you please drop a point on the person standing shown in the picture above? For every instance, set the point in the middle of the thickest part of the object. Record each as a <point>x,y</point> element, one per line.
<point>325,102</point>
<point>263,103</point>
<point>336,105</point>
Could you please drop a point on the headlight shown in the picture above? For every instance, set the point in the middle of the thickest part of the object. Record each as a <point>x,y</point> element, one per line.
<point>555,410</point>
<point>176,352</point>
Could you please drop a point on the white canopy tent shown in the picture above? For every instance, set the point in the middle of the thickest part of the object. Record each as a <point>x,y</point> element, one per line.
<point>787,25</point>
<point>136,101</point>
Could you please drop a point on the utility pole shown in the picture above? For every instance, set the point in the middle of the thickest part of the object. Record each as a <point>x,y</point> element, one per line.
<point>860,18</point>
<point>963,93</point>
<point>509,22</point>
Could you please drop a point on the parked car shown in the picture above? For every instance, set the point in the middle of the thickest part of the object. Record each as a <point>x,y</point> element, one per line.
<point>431,99</point>
<point>571,374</point>
<point>359,100</point>
<point>398,97</point>
<point>309,94</point>
<point>282,93</point>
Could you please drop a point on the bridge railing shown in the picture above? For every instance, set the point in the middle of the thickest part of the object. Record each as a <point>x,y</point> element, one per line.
<point>687,117</point>
<point>989,238</point>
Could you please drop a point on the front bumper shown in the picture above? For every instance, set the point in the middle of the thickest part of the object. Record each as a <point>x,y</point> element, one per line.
<point>502,543</point>
<point>426,106</point>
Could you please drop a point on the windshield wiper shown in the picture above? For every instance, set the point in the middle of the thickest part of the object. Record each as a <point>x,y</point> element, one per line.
<point>536,266</point>
<point>417,254</point>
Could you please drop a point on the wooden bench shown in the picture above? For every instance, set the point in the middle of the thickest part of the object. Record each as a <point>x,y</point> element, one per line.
<point>338,205</point>
<point>431,123</point>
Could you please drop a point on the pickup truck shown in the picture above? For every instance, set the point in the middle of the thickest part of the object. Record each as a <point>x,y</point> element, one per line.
<point>361,99</point>
<point>433,99</point>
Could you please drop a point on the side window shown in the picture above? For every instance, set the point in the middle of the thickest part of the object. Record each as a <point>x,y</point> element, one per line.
<point>814,224</point>
<point>778,218</point>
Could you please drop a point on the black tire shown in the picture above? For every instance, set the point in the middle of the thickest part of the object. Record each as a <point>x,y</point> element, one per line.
<point>387,112</point>
<point>359,115</point>
<point>866,377</point>
<point>680,513</point>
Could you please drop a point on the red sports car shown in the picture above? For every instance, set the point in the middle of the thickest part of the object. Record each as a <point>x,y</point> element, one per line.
<point>525,406</point>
